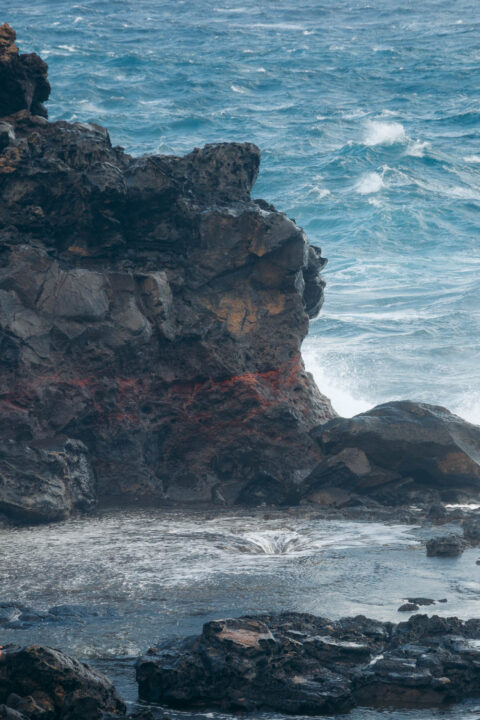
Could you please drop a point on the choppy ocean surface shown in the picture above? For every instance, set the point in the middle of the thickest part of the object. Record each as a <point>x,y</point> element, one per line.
<point>367,112</point>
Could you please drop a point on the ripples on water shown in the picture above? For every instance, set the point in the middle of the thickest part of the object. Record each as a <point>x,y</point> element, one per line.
<point>368,117</point>
<point>154,574</point>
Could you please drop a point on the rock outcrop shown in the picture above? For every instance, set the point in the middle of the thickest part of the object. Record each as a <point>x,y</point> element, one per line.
<point>306,665</point>
<point>149,309</point>
<point>397,453</point>
<point>40,683</point>
<point>23,78</point>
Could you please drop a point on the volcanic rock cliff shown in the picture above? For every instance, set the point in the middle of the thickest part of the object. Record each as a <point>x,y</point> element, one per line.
<point>151,318</point>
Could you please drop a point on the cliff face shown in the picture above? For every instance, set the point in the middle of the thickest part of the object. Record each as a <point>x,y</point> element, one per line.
<point>154,312</point>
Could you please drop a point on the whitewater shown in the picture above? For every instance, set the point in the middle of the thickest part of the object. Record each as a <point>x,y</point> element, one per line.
<point>367,113</point>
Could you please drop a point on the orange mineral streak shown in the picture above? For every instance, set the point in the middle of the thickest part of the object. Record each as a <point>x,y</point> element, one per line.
<point>195,401</point>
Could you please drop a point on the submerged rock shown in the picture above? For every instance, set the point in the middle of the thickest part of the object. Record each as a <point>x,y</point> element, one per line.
<point>471,531</point>
<point>152,310</point>
<point>408,607</point>
<point>398,453</point>
<point>301,664</point>
<point>39,682</point>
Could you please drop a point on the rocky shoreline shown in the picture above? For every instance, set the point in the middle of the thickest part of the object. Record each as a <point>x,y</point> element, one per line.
<point>151,321</point>
<point>293,663</point>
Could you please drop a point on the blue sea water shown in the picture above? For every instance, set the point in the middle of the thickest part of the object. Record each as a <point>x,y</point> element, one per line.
<point>368,116</point>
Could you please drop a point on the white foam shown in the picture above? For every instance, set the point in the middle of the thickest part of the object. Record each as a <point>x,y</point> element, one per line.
<point>278,26</point>
<point>469,408</point>
<point>369,183</point>
<point>337,387</point>
<point>70,48</point>
<point>384,133</point>
<point>230,10</point>
<point>417,149</point>
<point>474,159</point>
<point>319,192</point>
<point>353,115</point>
<point>238,89</point>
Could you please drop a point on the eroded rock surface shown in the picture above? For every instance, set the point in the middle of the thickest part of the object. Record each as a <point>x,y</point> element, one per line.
<point>397,453</point>
<point>301,664</point>
<point>23,78</point>
<point>152,310</point>
<point>40,683</point>
<point>45,480</point>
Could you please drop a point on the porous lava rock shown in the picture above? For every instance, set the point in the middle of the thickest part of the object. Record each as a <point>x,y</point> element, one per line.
<point>41,683</point>
<point>305,665</point>
<point>151,310</point>
<point>397,453</point>
<point>23,78</point>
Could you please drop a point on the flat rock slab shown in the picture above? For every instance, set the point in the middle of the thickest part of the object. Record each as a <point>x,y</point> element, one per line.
<point>301,664</point>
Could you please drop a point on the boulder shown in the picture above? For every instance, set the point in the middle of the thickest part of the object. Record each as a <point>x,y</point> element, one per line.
<point>41,683</point>
<point>398,453</point>
<point>445,546</point>
<point>45,481</point>
<point>305,665</point>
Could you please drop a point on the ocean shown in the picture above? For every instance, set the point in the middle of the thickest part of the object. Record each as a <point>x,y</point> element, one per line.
<point>368,116</point>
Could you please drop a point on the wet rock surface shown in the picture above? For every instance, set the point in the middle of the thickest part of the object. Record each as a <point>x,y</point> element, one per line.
<point>397,454</point>
<point>45,480</point>
<point>302,664</point>
<point>17,616</point>
<point>446,546</point>
<point>42,683</point>
<point>152,310</point>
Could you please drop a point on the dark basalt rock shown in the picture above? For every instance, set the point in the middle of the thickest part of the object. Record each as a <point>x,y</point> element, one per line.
<point>23,78</point>
<point>446,546</point>
<point>301,664</point>
<point>397,453</point>
<point>152,310</point>
<point>408,607</point>
<point>45,480</point>
<point>471,531</point>
<point>45,684</point>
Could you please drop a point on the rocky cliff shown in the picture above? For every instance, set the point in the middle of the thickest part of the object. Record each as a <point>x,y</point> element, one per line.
<point>151,318</point>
